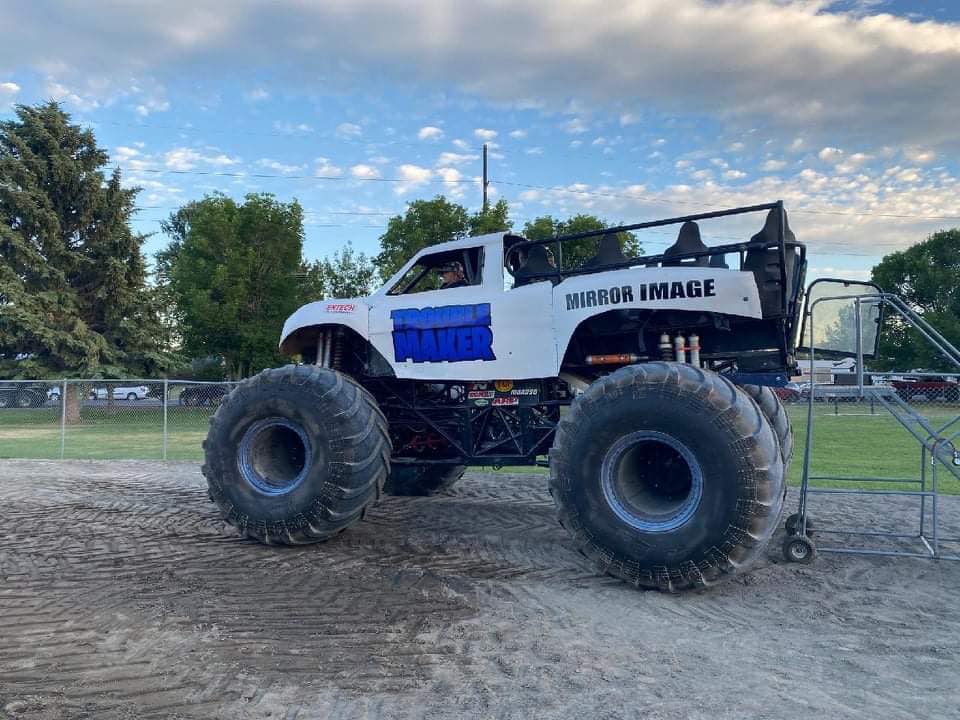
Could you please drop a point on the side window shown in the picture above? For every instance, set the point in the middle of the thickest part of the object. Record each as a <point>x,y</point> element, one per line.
<point>441,271</point>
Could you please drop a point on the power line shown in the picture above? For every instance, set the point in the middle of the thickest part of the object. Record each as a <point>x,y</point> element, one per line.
<point>259,176</point>
<point>670,201</point>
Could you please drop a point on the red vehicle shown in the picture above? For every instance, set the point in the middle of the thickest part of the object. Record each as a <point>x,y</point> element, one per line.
<point>927,388</point>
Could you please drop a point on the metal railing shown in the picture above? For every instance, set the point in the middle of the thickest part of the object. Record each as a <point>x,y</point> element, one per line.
<point>924,405</point>
<point>107,419</point>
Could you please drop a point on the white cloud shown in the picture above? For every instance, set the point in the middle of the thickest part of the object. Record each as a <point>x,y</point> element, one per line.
<point>124,154</point>
<point>461,144</point>
<point>534,151</point>
<point>575,126</point>
<point>773,165</point>
<point>7,91</point>
<point>364,172</point>
<point>152,105</point>
<point>862,74</point>
<point>734,175</point>
<point>257,95</point>
<point>518,134</point>
<point>289,128</point>
<point>919,155</point>
<point>484,134</point>
<point>349,130</point>
<point>279,167</point>
<point>412,176</point>
<point>325,168</point>
<point>576,143</point>
<point>187,158</point>
<point>628,119</point>
<point>736,147</point>
<point>830,154</point>
<point>62,93</point>
<point>449,158</point>
<point>430,133</point>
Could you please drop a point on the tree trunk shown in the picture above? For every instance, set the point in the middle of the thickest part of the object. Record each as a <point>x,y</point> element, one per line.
<point>73,400</point>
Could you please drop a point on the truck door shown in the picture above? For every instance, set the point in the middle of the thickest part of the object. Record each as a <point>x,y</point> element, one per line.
<point>472,329</point>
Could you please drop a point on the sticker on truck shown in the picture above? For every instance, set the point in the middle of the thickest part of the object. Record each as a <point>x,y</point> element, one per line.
<point>449,333</point>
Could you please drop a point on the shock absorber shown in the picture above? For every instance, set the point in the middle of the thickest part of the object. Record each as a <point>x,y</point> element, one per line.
<point>337,360</point>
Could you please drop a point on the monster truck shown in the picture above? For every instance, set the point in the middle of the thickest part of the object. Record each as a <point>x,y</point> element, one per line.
<point>645,381</point>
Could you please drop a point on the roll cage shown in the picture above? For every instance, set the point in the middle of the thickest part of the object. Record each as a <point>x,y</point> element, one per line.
<point>790,272</point>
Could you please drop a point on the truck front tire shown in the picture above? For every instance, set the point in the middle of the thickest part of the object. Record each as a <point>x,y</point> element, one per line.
<point>667,476</point>
<point>296,454</point>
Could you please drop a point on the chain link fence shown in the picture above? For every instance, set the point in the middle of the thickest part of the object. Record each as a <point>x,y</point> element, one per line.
<point>168,420</point>
<point>854,433</point>
<point>117,419</point>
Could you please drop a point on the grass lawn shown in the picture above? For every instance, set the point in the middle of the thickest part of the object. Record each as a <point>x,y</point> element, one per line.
<point>127,433</point>
<point>853,443</point>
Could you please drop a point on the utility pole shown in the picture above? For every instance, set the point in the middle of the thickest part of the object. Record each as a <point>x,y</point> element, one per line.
<point>485,181</point>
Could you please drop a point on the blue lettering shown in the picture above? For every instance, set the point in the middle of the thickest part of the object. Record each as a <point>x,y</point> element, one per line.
<point>450,333</point>
<point>406,345</point>
<point>482,342</point>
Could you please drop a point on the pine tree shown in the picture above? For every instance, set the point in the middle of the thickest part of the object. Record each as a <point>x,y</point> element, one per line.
<point>73,293</point>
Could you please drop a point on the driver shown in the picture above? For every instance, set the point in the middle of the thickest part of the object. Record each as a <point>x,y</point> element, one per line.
<point>451,275</point>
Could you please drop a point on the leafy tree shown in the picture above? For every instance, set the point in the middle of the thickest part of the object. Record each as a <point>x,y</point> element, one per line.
<point>491,219</point>
<point>576,252</point>
<point>345,275</point>
<point>232,271</point>
<point>425,223</point>
<point>74,298</point>
<point>927,277</point>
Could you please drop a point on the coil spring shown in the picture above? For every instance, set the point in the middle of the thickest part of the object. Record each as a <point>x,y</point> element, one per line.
<point>337,357</point>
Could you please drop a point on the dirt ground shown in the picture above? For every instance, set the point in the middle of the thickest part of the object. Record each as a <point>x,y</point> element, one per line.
<point>121,596</point>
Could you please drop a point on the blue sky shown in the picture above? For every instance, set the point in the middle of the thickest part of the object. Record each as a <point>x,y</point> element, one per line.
<point>628,110</point>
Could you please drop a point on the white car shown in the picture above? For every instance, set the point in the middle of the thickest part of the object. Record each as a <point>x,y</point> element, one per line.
<point>135,392</point>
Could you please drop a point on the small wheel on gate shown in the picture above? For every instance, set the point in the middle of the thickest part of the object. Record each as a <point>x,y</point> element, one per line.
<point>792,525</point>
<point>799,549</point>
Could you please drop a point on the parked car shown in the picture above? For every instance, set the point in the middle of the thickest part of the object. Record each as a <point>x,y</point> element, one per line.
<point>789,393</point>
<point>203,395</point>
<point>124,392</point>
<point>927,388</point>
<point>22,395</point>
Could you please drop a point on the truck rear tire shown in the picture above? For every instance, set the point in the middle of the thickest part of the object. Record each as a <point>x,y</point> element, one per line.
<point>422,480</point>
<point>296,454</point>
<point>667,476</point>
<point>777,416</point>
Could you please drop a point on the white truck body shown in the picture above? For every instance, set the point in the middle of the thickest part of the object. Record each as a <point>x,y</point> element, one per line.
<point>490,330</point>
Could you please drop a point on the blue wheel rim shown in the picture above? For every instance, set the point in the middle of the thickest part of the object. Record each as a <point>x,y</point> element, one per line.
<point>658,515</point>
<point>271,475</point>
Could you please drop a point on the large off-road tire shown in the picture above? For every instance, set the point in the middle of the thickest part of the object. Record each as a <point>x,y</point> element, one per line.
<point>296,454</point>
<point>422,480</point>
<point>777,416</point>
<point>667,476</point>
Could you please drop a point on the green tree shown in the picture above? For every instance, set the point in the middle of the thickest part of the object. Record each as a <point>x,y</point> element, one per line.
<point>347,274</point>
<point>576,252</point>
<point>927,277</point>
<point>231,270</point>
<point>425,223</point>
<point>491,219</point>
<point>74,298</point>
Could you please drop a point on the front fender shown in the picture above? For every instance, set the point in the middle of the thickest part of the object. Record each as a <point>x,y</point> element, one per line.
<point>353,314</point>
